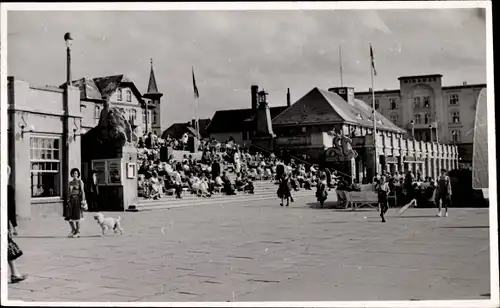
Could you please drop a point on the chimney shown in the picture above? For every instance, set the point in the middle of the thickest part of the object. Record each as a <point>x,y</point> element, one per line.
<point>193,123</point>
<point>288,102</point>
<point>254,89</point>
<point>347,93</point>
<point>465,83</point>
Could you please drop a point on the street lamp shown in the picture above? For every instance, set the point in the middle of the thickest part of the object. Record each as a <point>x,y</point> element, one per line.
<point>412,129</point>
<point>69,40</point>
<point>65,144</point>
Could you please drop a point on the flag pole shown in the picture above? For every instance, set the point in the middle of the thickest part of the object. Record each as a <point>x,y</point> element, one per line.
<point>196,104</point>
<point>340,58</point>
<point>373,111</point>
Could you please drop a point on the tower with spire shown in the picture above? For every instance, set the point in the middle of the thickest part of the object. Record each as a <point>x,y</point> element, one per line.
<point>153,107</point>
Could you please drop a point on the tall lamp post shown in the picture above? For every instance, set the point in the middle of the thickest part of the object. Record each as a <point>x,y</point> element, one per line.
<point>65,144</point>
<point>430,130</point>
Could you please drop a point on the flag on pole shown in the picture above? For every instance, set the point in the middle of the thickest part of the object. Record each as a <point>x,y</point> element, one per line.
<point>373,61</point>
<point>195,88</point>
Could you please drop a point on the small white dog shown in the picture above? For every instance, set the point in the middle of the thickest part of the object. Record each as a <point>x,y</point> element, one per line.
<point>107,223</point>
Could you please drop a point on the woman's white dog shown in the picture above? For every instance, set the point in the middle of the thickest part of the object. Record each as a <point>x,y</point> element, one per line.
<point>107,223</point>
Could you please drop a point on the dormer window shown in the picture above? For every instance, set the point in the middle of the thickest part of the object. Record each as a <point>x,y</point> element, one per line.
<point>129,96</point>
<point>119,95</point>
<point>359,116</point>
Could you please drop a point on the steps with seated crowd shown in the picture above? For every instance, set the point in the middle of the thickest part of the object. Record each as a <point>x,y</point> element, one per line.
<point>264,189</point>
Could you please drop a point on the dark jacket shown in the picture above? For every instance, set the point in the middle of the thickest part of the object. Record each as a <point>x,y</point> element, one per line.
<point>11,206</point>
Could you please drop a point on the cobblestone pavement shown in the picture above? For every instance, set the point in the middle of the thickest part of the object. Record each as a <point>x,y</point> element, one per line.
<point>259,251</point>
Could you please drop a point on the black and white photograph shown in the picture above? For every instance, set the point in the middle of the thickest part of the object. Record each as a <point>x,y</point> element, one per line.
<point>300,154</point>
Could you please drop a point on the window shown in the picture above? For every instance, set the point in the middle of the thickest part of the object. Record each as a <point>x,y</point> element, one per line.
<point>454,99</point>
<point>45,167</point>
<point>129,96</point>
<point>154,117</point>
<point>392,103</point>
<point>132,115</point>
<point>427,118</point>
<point>427,101</point>
<point>418,119</point>
<point>119,95</point>
<point>97,112</point>
<point>394,118</point>
<point>455,135</point>
<point>416,102</point>
<point>455,117</point>
<point>377,104</point>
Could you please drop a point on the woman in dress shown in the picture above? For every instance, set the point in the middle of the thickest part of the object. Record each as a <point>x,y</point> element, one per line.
<point>14,252</point>
<point>76,203</point>
<point>284,190</point>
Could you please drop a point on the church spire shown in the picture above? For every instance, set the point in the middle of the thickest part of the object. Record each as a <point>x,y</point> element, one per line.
<point>152,86</point>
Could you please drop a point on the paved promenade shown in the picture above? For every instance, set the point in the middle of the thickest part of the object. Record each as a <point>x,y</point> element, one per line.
<point>259,251</point>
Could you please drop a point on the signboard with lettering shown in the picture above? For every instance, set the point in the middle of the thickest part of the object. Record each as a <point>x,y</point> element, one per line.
<point>391,160</point>
<point>413,159</point>
<point>293,141</point>
<point>358,141</point>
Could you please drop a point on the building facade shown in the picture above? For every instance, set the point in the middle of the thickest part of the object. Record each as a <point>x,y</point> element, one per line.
<point>40,149</point>
<point>240,124</point>
<point>305,128</point>
<point>45,126</point>
<point>431,112</point>
<point>121,92</point>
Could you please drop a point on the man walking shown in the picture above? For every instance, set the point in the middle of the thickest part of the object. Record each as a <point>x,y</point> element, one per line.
<point>443,192</point>
<point>93,193</point>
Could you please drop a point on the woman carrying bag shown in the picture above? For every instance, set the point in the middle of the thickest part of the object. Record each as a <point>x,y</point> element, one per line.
<point>14,252</point>
<point>76,203</point>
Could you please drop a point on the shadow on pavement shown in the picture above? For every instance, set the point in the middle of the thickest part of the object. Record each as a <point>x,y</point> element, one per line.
<point>428,216</point>
<point>463,227</point>
<point>51,236</point>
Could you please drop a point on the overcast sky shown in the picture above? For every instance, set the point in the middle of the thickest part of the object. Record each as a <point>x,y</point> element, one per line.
<point>231,50</point>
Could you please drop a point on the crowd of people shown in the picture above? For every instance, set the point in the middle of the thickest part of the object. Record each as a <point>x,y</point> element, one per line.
<point>212,172</point>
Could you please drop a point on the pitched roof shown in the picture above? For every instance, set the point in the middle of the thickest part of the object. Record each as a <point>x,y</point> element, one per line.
<point>88,89</point>
<point>321,106</point>
<point>238,120</point>
<point>103,87</point>
<point>176,130</point>
<point>152,86</point>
